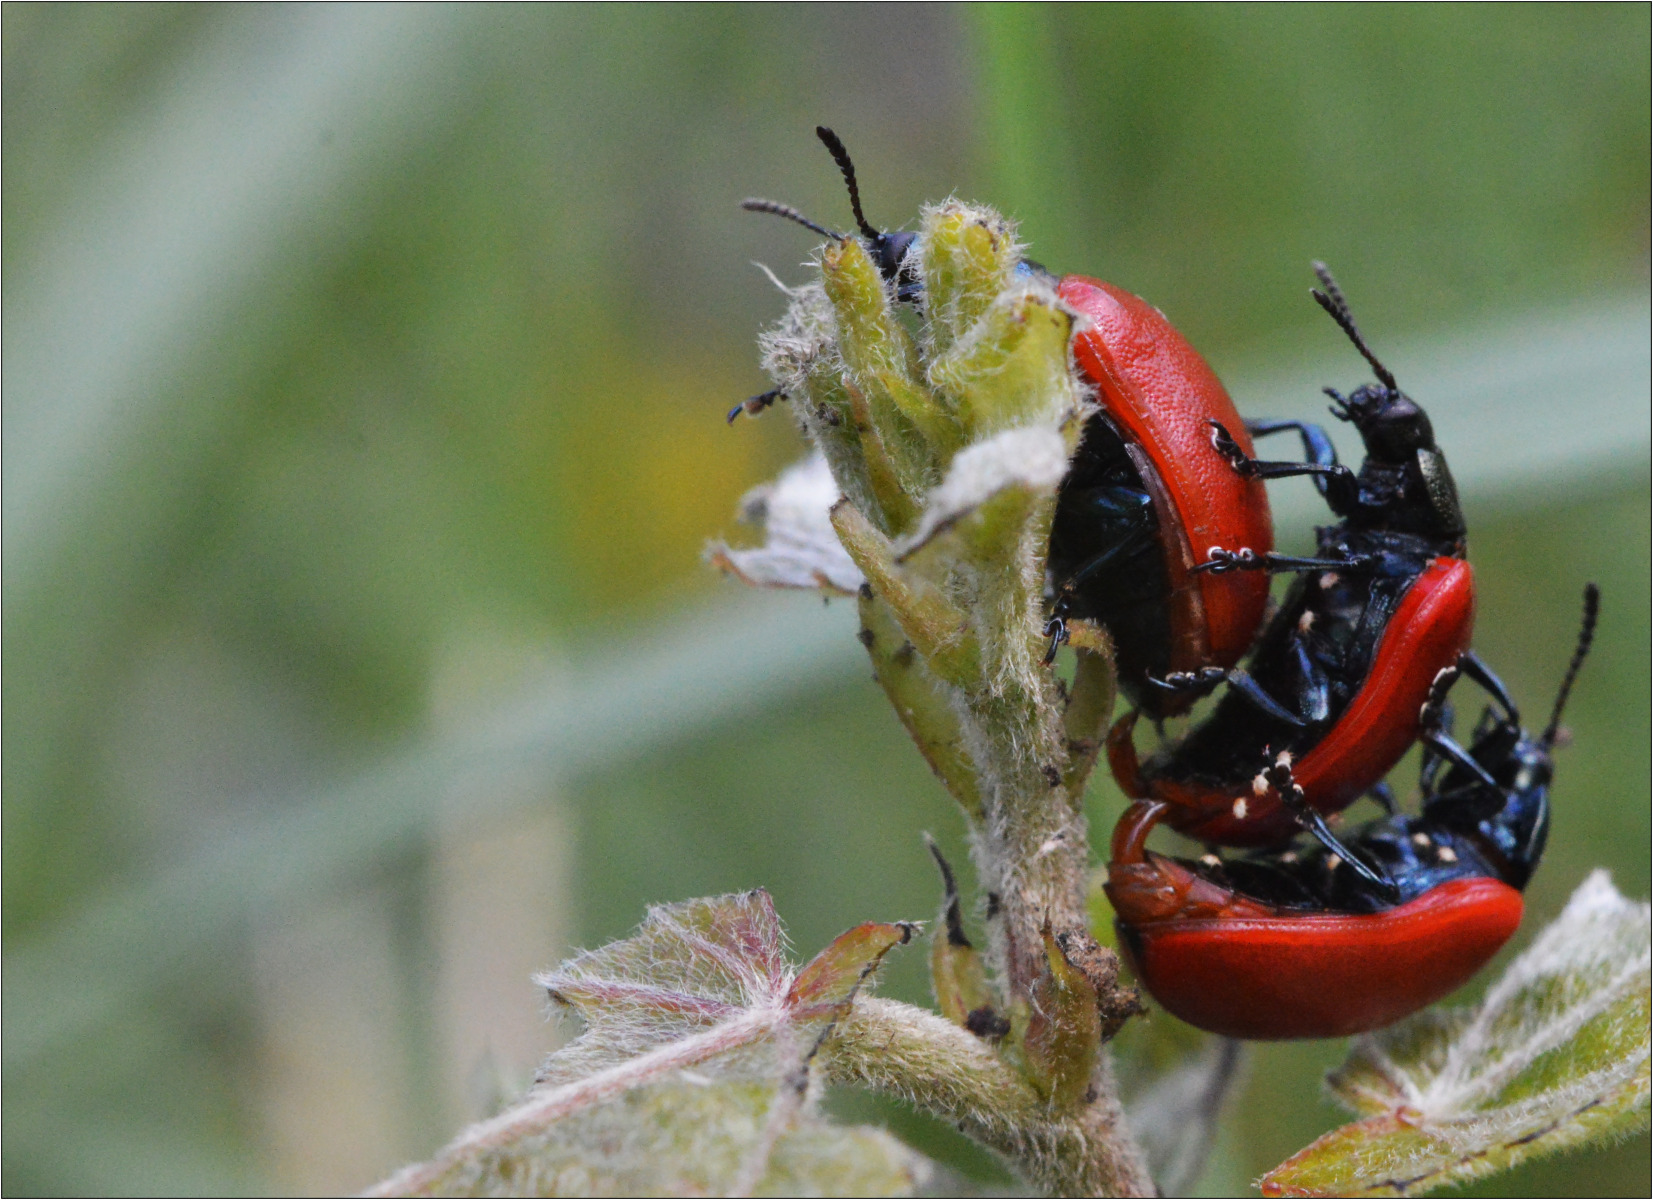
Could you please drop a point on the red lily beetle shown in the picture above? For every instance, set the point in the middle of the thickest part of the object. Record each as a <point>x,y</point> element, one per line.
<point>1428,632</point>
<point>1246,968</point>
<point>1146,499</point>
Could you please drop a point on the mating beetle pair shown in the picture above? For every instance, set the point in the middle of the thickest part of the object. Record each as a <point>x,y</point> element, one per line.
<point>1284,945</point>
<point>1353,668</point>
<point>1162,533</point>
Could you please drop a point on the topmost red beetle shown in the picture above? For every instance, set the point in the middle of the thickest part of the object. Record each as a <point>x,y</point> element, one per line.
<point>1148,494</point>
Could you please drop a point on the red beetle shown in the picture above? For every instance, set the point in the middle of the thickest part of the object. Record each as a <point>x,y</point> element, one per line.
<point>1247,968</point>
<point>1147,498</point>
<point>1337,679</point>
<point>1429,632</point>
<point>1148,495</point>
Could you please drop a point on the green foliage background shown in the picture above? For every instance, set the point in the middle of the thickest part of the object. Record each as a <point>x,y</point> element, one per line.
<point>345,346</point>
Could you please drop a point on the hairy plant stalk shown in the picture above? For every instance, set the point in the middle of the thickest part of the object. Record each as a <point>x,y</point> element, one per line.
<point>947,426</point>
<point>1031,848</point>
<point>928,1062</point>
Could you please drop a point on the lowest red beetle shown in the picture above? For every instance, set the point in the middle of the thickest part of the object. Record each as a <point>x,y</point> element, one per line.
<point>1299,945</point>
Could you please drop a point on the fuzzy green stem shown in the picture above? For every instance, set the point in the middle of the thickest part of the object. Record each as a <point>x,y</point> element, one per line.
<point>949,449</point>
<point>914,1055</point>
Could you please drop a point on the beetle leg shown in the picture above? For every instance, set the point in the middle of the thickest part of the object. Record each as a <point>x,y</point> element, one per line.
<point>1450,750</point>
<point>1435,716</point>
<point>1201,682</point>
<point>1279,776</point>
<point>1473,665</point>
<point>1436,713</point>
<point>1220,561</point>
<point>1206,679</point>
<point>1138,533</point>
<point>1317,445</point>
<point>1337,484</point>
<point>1376,876</point>
<point>1313,687</point>
<point>1323,464</point>
<point>1465,805</point>
<point>1429,769</point>
<point>1249,688</point>
<point>753,405</point>
<point>1056,629</point>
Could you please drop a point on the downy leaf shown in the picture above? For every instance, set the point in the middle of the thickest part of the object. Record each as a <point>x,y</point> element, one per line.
<point>1554,1058</point>
<point>693,1075</point>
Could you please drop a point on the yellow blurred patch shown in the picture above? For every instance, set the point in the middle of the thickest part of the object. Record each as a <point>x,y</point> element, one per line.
<point>653,473</point>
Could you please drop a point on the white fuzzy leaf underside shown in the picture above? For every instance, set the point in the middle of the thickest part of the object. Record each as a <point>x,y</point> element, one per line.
<point>1032,457</point>
<point>692,1077</point>
<point>800,549</point>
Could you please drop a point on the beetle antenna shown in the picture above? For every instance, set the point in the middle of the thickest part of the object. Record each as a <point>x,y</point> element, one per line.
<point>1586,635</point>
<point>841,157</point>
<point>791,214</point>
<point>1331,299</point>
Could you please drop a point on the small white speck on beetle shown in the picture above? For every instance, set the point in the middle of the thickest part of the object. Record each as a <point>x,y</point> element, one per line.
<point>1290,856</point>
<point>1328,579</point>
<point>1283,759</point>
<point>1306,621</point>
<point>1333,861</point>
<point>1259,787</point>
<point>1420,839</point>
<point>1211,860</point>
<point>1446,854</point>
<point>1240,808</point>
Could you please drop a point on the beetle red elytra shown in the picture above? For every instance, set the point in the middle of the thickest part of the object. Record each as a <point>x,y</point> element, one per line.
<point>1210,778</point>
<point>1146,498</point>
<point>1301,944</point>
<point>1149,493</point>
<point>1243,967</point>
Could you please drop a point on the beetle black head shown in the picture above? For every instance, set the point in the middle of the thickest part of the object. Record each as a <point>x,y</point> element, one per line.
<point>1392,426</point>
<point>888,251</point>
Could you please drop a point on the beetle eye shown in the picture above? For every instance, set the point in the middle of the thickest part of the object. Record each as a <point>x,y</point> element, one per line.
<point>890,250</point>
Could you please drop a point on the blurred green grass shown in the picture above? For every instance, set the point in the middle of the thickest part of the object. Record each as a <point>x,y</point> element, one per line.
<point>453,379</point>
